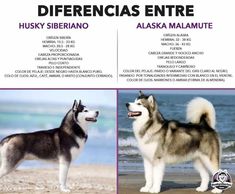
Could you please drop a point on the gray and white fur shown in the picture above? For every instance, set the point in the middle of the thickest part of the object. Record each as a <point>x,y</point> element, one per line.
<point>162,141</point>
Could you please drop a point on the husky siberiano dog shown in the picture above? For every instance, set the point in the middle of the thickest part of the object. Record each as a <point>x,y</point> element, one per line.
<point>164,141</point>
<point>60,144</point>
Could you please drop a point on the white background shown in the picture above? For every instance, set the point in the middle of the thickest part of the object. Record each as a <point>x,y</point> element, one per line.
<point>97,45</point>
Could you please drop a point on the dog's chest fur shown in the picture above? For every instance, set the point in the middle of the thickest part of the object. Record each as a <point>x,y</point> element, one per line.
<point>147,148</point>
<point>75,151</point>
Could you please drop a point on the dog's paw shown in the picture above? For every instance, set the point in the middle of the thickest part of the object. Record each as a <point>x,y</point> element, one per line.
<point>64,189</point>
<point>201,189</point>
<point>155,190</point>
<point>215,190</point>
<point>145,189</point>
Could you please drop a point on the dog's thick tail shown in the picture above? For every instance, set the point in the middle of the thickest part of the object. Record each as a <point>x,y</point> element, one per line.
<point>199,109</point>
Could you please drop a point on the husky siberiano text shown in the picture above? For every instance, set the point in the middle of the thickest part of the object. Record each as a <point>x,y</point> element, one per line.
<point>60,144</point>
<point>164,141</point>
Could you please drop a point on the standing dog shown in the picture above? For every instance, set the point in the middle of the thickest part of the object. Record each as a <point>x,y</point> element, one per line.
<point>164,141</point>
<point>60,144</point>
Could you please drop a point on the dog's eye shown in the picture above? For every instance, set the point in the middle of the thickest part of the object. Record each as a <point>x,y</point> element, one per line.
<point>138,103</point>
<point>85,110</point>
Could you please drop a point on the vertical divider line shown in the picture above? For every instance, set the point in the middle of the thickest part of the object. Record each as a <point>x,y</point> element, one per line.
<point>117,55</point>
<point>117,143</point>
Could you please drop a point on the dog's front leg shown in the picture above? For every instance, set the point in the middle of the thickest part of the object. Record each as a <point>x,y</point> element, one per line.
<point>63,171</point>
<point>148,170</point>
<point>158,172</point>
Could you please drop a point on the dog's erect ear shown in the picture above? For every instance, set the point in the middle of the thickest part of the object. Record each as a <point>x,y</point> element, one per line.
<point>80,106</point>
<point>75,105</point>
<point>141,93</point>
<point>152,100</point>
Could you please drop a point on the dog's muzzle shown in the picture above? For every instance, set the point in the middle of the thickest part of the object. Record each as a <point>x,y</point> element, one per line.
<point>132,113</point>
<point>93,119</point>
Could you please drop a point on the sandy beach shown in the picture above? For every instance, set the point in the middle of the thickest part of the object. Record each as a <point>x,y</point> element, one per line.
<point>173,183</point>
<point>85,179</point>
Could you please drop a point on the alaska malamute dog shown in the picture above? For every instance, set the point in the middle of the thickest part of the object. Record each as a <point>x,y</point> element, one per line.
<point>60,144</point>
<point>164,141</point>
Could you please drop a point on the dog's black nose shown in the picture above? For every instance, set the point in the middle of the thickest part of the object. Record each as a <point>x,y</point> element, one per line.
<point>127,105</point>
<point>97,113</point>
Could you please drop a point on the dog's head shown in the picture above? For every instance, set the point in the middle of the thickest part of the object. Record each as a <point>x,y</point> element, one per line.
<point>82,114</point>
<point>143,107</point>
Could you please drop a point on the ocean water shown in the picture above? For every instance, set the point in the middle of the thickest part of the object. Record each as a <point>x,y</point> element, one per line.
<point>27,117</point>
<point>173,106</point>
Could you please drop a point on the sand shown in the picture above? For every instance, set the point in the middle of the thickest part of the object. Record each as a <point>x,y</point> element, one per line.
<point>174,183</point>
<point>96,179</point>
<point>85,179</point>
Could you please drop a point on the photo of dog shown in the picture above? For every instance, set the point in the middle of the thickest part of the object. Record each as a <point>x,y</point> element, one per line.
<point>61,144</point>
<point>163,141</point>
<point>51,143</point>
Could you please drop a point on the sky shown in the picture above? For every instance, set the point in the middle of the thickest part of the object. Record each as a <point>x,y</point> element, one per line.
<point>89,97</point>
